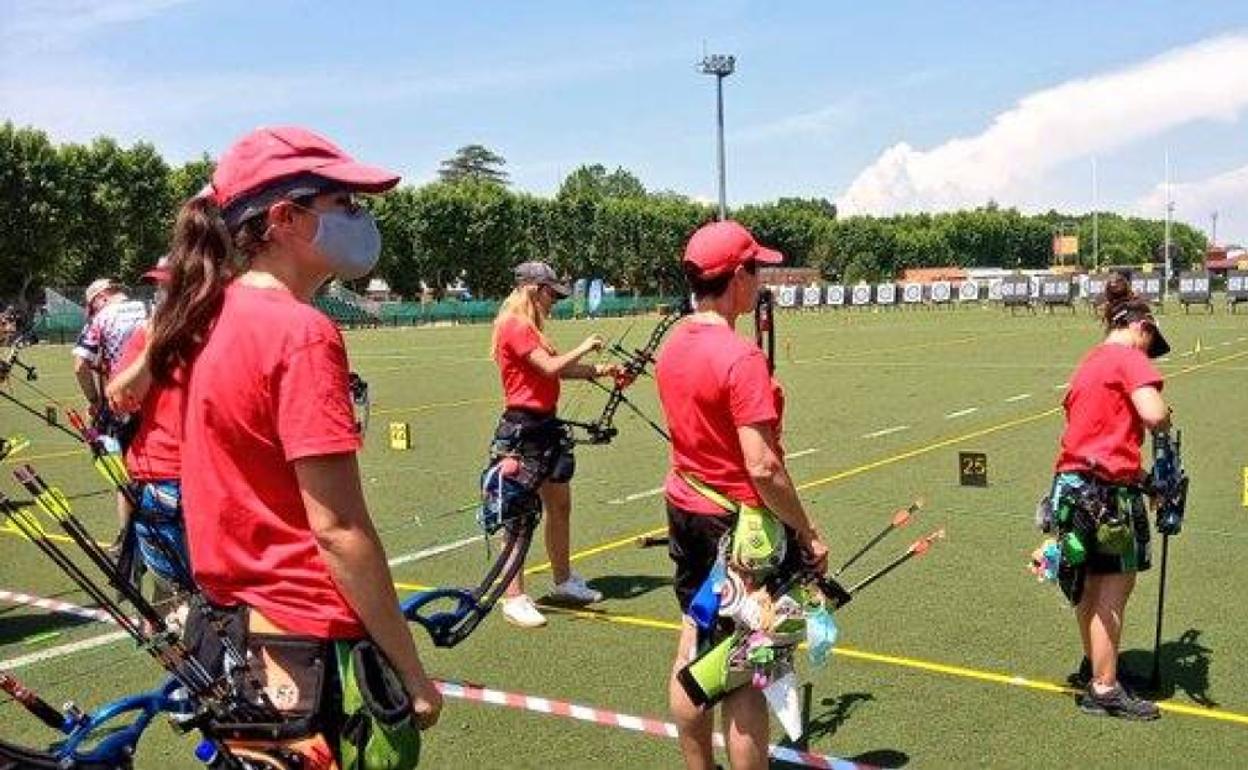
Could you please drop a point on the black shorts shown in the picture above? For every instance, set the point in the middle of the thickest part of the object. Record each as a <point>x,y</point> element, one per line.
<point>693,545</point>
<point>541,442</point>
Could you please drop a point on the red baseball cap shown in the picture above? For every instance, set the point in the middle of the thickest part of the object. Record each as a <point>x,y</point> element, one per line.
<point>722,246</point>
<point>160,272</point>
<point>293,159</point>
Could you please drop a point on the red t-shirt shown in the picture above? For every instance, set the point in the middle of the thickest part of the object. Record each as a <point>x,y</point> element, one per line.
<point>711,381</point>
<point>268,388</point>
<point>1103,432</point>
<point>524,385</point>
<point>156,452</point>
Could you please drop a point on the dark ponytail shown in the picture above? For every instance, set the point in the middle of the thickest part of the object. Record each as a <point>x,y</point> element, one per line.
<point>1122,305</point>
<point>201,263</point>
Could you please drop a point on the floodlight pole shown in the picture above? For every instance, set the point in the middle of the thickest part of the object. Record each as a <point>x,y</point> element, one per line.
<point>721,66</point>
<point>1165,294</point>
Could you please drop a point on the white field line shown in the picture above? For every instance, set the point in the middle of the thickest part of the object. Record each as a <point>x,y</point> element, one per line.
<point>636,496</point>
<point>426,553</point>
<point>886,431</point>
<point>1061,386</point>
<point>1224,344</point>
<point>962,413</point>
<point>1188,353</point>
<point>801,453</point>
<point>1019,397</point>
<point>1241,339</point>
<point>1163,359</point>
<point>63,650</point>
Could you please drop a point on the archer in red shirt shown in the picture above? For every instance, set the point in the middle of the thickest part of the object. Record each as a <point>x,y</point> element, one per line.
<point>723,411</point>
<point>530,369</point>
<point>1114,394</point>
<point>278,528</point>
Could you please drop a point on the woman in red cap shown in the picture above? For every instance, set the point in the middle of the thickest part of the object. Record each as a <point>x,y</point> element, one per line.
<point>530,369</point>
<point>1097,503</point>
<point>280,539</point>
<point>724,412</point>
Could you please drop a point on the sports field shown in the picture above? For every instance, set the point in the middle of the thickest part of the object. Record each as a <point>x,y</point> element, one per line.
<point>959,658</point>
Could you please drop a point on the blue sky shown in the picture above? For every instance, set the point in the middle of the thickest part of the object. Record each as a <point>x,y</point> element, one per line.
<point>883,106</point>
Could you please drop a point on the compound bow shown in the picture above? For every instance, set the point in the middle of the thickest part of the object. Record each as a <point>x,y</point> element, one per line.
<point>635,363</point>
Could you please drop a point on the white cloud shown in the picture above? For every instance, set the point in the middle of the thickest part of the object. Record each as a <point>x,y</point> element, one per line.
<point>35,25</point>
<point>1078,118</point>
<point>1194,202</point>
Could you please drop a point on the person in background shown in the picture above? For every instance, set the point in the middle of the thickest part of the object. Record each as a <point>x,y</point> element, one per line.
<point>1114,394</point>
<point>112,317</point>
<point>530,369</point>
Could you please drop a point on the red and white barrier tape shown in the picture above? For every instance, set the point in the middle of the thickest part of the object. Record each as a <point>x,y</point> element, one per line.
<point>62,608</point>
<point>477,694</point>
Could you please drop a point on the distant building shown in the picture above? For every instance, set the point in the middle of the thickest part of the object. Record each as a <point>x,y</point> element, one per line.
<point>788,276</point>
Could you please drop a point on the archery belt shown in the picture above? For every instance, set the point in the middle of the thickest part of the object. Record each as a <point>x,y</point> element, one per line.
<point>745,587</point>
<point>292,677</point>
<point>1101,528</point>
<point>379,732</point>
<point>541,443</point>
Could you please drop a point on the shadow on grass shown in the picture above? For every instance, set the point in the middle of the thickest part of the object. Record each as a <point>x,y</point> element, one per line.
<point>1184,666</point>
<point>628,586</point>
<point>17,629</point>
<point>835,712</point>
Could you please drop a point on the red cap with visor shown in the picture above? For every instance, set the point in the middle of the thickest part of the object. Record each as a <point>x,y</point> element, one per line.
<point>287,156</point>
<point>719,247</point>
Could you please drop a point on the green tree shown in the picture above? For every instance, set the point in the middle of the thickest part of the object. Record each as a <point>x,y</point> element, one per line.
<point>188,179</point>
<point>474,163</point>
<point>595,182</point>
<point>31,233</point>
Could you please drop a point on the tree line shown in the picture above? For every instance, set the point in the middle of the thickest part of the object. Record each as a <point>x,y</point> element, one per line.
<point>72,212</point>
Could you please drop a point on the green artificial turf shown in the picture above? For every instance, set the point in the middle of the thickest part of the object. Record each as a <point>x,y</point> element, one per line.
<point>968,606</point>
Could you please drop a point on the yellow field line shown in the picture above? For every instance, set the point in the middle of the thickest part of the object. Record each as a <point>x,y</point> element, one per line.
<point>600,549</point>
<point>24,458</point>
<point>9,529</point>
<point>919,664</point>
<point>933,667</point>
<point>932,447</point>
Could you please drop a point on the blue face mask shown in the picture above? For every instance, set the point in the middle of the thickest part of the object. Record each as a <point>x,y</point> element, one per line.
<point>350,242</point>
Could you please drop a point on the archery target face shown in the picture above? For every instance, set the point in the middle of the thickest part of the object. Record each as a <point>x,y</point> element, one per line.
<point>968,291</point>
<point>787,296</point>
<point>995,289</point>
<point>886,293</point>
<point>912,292</point>
<point>811,296</point>
<point>732,593</point>
<point>1237,286</point>
<point>862,294</point>
<point>836,295</point>
<point>940,291</point>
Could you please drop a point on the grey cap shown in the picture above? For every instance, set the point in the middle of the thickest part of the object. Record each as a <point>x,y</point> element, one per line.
<point>541,274</point>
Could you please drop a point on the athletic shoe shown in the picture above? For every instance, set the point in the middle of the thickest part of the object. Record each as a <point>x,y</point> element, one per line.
<point>520,611</point>
<point>1118,703</point>
<point>1130,680</point>
<point>575,590</point>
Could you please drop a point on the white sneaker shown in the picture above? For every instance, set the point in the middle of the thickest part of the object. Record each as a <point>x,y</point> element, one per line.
<point>575,590</point>
<point>520,611</point>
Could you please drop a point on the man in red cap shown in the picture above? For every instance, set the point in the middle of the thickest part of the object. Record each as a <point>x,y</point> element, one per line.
<point>724,412</point>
